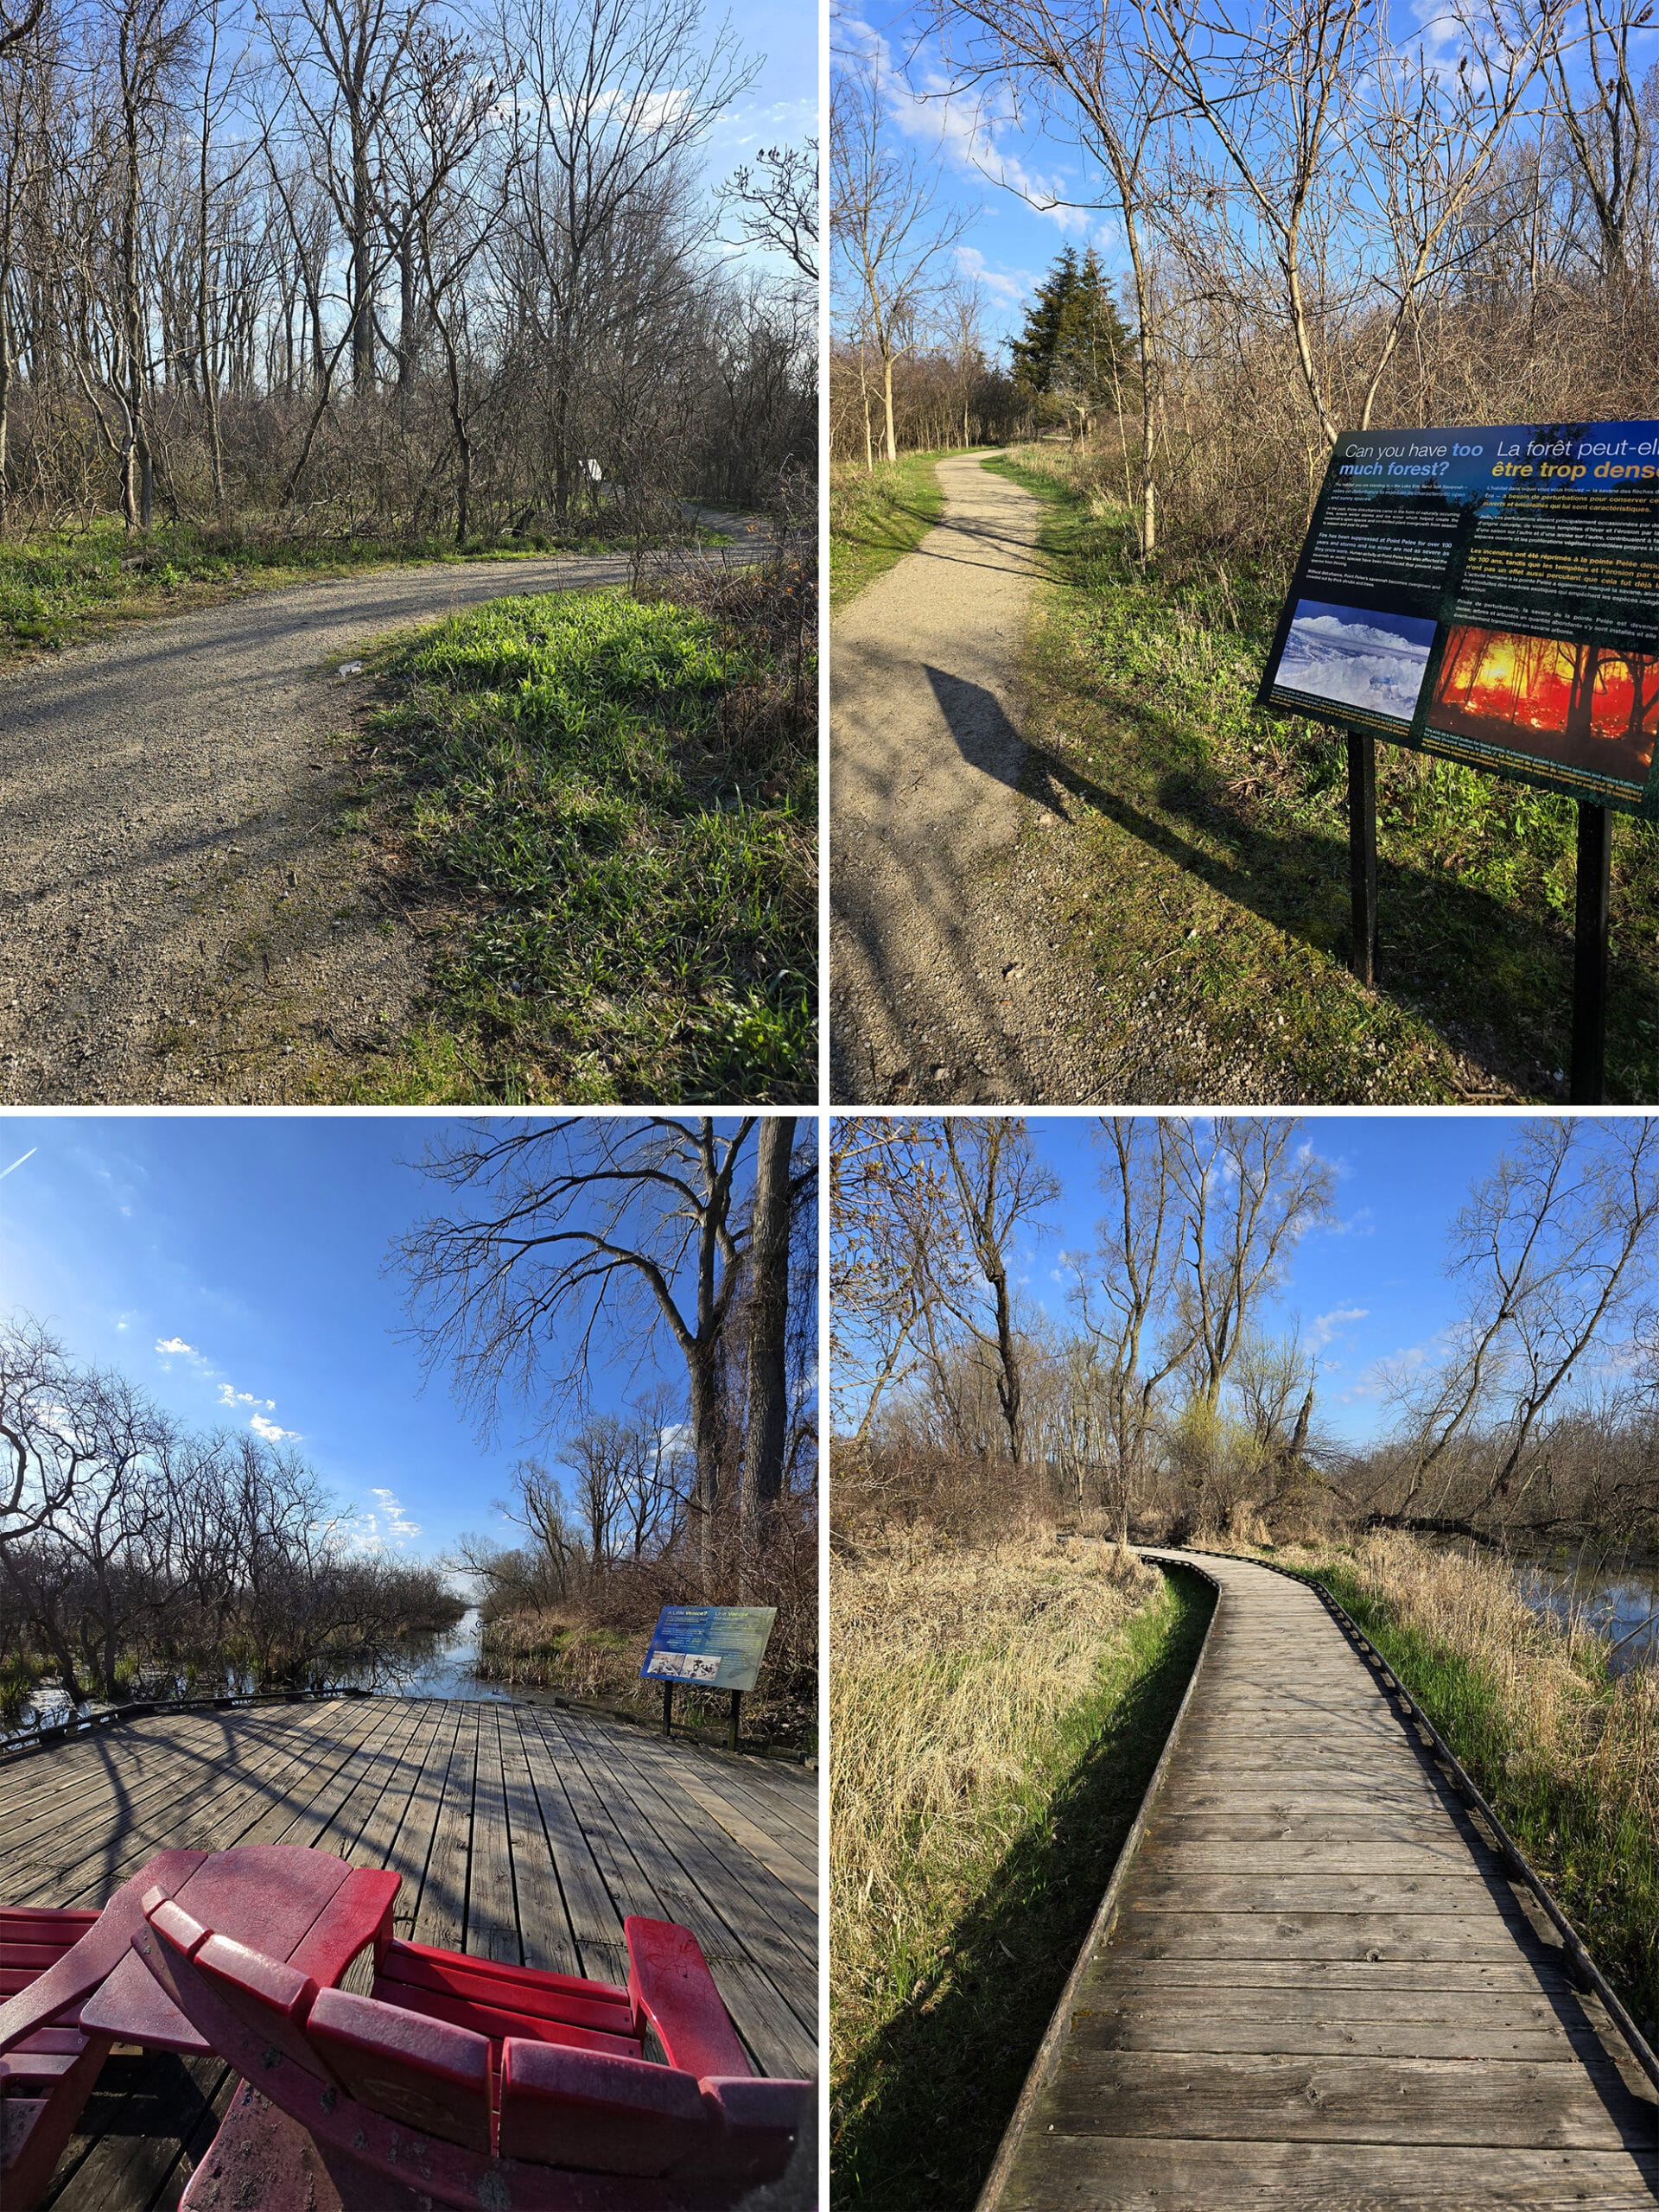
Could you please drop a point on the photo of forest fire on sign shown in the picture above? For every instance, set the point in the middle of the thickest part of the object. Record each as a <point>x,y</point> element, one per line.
<point>1580,706</point>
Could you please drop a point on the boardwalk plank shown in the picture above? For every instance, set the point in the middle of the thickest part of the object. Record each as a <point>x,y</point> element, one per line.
<point>509,1840</point>
<point>1317,1985</point>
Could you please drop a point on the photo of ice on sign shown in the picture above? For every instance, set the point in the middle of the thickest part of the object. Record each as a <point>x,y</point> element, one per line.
<point>1349,658</point>
<point>687,1666</point>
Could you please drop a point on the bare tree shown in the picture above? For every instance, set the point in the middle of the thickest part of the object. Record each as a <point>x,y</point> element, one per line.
<point>585,1232</point>
<point>998,1182</point>
<point>1086,69</point>
<point>1125,1294</point>
<point>775,204</point>
<point>1556,1249</point>
<point>893,236</point>
<point>1251,1188</point>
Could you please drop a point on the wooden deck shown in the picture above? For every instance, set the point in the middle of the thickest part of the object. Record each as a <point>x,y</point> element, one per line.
<point>522,1833</point>
<point>1313,1984</point>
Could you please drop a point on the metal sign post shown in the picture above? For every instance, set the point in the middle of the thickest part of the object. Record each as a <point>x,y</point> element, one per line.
<point>1362,851</point>
<point>668,1708</point>
<point>1588,1066</point>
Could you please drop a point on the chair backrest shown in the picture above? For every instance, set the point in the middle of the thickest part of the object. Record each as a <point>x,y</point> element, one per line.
<point>761,2121</point>
<point>668,1980</point>
<point>271,1999</point>
<point>566,2107</point>
<point>332,1941</point>
<point>423,2072</point>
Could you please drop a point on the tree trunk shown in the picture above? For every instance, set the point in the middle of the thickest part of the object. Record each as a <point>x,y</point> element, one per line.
<point>887,404</point>
<point>362,306</point>
<point>705,1449</point>
<point>767,1422</point>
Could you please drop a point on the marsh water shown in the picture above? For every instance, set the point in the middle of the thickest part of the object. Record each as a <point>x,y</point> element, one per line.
<point>1620,1601</point>
<point>436,1664</point>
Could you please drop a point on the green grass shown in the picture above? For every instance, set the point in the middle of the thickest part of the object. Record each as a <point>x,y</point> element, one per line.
<point>920,2108</point>
<point>622,799</point>
<point>875,520</point>
<point>58,586</point>
<point>1210,866</point>
<point>63,584</point>
<point>1600,1863</point>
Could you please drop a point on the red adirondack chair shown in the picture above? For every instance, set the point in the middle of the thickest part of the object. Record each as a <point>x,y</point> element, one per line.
<point>70,1987</point>
<point>459,2081</point>
<point>48,2076</point>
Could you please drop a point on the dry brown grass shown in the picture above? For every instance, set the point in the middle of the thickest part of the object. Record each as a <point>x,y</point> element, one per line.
<point>952,1666</point>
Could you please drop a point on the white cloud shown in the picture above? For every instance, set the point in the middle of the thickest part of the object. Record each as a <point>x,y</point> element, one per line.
<point>965,128</point>
<point>1327,1325</point>
<point>228,1396</point>
<point>399,1527</point>
<point>174,1347</point>
<point>270,1431</point>
<point>1008,287</point>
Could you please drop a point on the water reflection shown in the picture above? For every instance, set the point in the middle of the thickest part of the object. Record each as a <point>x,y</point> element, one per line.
<point>432,1665</point>
<point>440,1663</point>
<point>1618,1601</point>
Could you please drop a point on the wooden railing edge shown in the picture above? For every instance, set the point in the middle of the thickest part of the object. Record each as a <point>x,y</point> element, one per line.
<point>1042,2066</point>
<point>69,1732</point>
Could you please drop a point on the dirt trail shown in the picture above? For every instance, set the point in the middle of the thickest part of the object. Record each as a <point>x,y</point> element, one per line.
<point>181,919</point>
<point>947,985</point>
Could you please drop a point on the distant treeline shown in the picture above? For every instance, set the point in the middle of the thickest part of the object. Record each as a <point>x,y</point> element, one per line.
<point>137,1554</point>
<point>391,267</point>
<point>1170,1407</point>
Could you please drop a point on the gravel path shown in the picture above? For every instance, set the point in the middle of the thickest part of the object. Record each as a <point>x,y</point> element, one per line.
<point>182,918</point>
<point>947,982</point>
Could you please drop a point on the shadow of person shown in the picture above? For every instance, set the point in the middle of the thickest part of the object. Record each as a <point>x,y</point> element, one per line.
<point>984,736</point>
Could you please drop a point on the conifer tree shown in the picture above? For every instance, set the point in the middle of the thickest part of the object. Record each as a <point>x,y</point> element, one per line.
<point>1074,348</point>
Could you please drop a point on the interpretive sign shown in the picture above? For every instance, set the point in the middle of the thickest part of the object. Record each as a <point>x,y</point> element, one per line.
<point>1491,595</point>
<point>710,1647</point>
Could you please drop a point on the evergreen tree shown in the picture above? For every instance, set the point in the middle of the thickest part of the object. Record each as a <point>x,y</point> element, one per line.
<point>1075,346</point>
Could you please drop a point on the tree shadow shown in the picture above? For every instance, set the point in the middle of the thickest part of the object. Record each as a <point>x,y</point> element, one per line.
<point>1494,982</point>
<point>926,2100</point>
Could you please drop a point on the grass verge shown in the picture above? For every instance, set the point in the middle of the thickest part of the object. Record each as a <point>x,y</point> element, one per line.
<point>1568,1754</point>
<point>997,1715</point>
<point>67,584</point>
<point>874,520</point>
<point>1210,865</point>
<point>618,800</point>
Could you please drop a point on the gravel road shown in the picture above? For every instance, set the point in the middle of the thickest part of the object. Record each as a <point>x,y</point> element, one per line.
<point>947,984</point>
<point>182,919</point>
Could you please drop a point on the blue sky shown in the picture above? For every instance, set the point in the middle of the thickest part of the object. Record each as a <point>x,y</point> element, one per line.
<point>243,1255</point>
<point>783,103</point>
<point>989,153</point>
<point>1368,1290</point>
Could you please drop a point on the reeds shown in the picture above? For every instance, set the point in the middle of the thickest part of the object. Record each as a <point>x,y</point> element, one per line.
<point>999,1705</point>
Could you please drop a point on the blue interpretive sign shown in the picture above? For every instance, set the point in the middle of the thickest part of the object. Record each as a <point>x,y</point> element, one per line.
<point>1491,595</point>
<point>710,1647</point>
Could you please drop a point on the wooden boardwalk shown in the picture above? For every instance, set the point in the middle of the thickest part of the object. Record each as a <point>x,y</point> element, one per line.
<point>522,1833</point>
<point>1311,1983</point>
